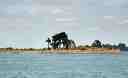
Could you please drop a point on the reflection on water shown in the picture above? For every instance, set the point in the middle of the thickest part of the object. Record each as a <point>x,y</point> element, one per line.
<point>64,66</point>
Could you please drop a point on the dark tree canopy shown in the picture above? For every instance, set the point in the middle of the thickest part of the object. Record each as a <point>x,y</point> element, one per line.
<point>60,40</point>
<point>107,46</point>
<point>97,44</point>
<point>60,36</point>
<point>121,45</point>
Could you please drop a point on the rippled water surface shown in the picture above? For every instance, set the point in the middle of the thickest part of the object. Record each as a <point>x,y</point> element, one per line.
<point>64,65</point>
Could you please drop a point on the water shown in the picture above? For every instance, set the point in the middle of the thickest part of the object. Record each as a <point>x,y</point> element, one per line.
<point>64,66</point>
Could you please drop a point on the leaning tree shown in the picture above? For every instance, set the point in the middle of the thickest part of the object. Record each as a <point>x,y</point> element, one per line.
<point>61,40</point>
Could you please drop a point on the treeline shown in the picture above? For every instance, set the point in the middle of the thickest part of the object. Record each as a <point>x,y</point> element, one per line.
<point>99,44</point>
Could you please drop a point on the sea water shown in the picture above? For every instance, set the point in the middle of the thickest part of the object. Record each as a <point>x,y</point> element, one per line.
<point>64,65</point>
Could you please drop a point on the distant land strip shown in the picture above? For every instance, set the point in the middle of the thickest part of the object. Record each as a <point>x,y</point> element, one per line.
<point>61,51</point>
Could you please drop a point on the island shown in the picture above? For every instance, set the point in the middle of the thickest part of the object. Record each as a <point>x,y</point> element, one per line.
<point>61,44</point>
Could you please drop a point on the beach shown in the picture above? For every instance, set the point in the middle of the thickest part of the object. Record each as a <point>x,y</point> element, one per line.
<point>63,51</point>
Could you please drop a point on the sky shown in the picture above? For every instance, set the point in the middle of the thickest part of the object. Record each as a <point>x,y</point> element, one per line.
<point>28,23</point>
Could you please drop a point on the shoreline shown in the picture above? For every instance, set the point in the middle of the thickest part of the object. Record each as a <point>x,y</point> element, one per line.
<point>62,51</point>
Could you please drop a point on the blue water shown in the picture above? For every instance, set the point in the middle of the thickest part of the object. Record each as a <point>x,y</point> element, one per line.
<point>64,65</point>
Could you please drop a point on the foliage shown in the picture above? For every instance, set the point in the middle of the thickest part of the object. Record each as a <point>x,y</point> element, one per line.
<point>97,44</point>
<point>60,40</point>
<point>121,45</point>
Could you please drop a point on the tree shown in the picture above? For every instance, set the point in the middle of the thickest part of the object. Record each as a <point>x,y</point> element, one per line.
<point>114,46</point>
<point>48,41</point>
<point>121,45</point>
<point>97,44</point>
<point>60,40</point>
<point>107,46</point>
<point>87,46</point>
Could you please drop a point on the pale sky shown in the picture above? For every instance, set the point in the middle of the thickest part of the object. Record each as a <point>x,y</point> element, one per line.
<point>28,23</point>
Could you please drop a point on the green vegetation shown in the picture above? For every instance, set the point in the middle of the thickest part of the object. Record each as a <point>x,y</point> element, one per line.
<point>61,41</point>
<point>99,44</point>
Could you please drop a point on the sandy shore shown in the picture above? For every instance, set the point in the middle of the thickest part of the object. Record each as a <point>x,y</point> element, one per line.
<point>83,51</point>
<point>64,51</point>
